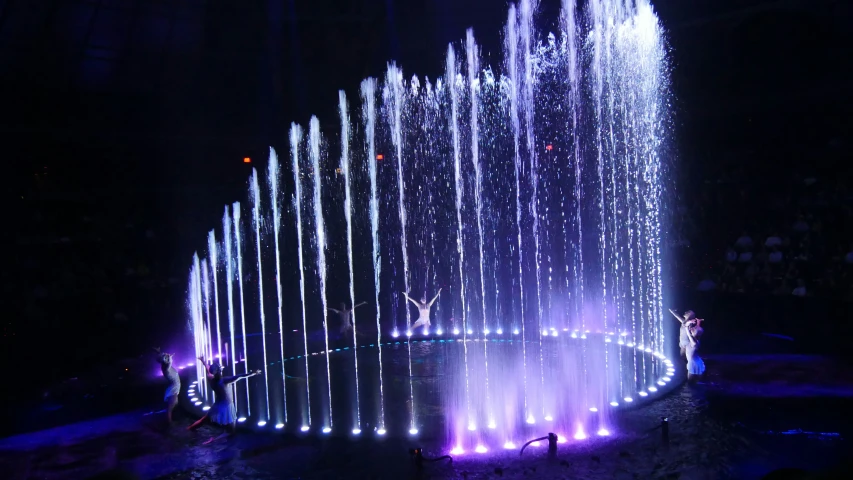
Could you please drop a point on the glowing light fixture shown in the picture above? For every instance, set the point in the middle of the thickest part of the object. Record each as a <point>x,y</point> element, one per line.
<point>413,431</point>
<point>327,429</point>
<point>247,160</point>
<point>356,431</point>
<point>593,409</point>
<point>457,450</point>
<point>206,408</point>
<point>262,423</point>
<point>241,419</point>
<point>614,404</point>
<point>305,428</point>
<point>509,445</point>
<point>381,431</point>
<point>481,449</point>
<point>603,432</point>
<point>279,426</point>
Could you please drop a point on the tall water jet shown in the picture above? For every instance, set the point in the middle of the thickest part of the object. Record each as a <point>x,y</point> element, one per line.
<point>295,142</point>
<point>394,82</point>
<point>473,54</point>
<point>345,168</point>
<point>368,100</point>
<point>214,265</point>
<point>273,179</point>
<point>459,189</point>
<point>512,67</point>
<point>238,242</point>
<point>256,213</point>
<point>229,284</point>
<point>314,154</point>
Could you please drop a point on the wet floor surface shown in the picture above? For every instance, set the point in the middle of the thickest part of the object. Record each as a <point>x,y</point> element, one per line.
<point>717,430</point>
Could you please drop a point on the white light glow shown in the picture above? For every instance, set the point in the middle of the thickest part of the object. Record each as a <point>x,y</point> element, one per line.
<point>593,409</point>
<point>549,418</point>
<point>603,432</point>
<point>206,408</point>
<point>327,429</point>
<point>279,426</point>
<point>413,431</point>
<point>241,419</point>
<point>531,420</point>
<point>356,431</point>
<point>262,423</point>
<point>509,445</point>
<point>481,449</point>
<point>614,404</point>
<point>629,399</point>
<point>305,428</point>
<point>457,450</point>
<point>381,431</point>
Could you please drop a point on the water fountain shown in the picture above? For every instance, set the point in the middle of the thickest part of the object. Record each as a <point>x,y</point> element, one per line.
<point>534,198</point>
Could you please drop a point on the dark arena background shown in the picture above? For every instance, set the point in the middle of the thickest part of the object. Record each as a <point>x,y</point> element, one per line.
<point>558,197</point>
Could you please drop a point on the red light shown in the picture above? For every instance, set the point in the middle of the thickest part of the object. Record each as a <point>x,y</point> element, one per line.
<point>247,160</point>
<point>380,157</point>
<point>549,147</point>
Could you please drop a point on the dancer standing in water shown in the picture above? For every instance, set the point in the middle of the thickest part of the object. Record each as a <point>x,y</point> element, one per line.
<point>223,412</point>
<point>423,309</point>
<point>345,315</point>
<point>171,376</point>
<point>695,365</point>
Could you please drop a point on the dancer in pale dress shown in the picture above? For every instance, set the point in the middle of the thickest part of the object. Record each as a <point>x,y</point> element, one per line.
<point>423,310</point>
<point>695,365</point>
<point>174,382</point>
<point>345,315</point>
<point>223,411</point>
<point>686,322</point>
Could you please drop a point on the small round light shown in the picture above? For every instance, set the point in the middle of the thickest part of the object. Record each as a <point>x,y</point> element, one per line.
<point>472,427</point>
<point>643,394</point>
<point>666,379</point>
<point>413,431</point>
<point>544,333</point>
<point>486,331</point>
<point>262,423</point>
<point>481,449</point>
<point>548,418</point>
<point>583,337</point>
<point>356,431</point>
<point>439,332</point>
<point>500,331</point>
<point>536,444</point>
<point>457,450</point>
<point>661,383</point>
<point>327,429</point>
<point>515,332</point>
<point>653,389</point>
<point>554,333</point>
<point>574,334</point>
<point>470,332</point>
<point>279,426</point>
<point>395,334</point>
<point>531,420</point>
<point>241,419</point>
<point>492,425</point>
<point>629,399</point>
<point>614,404</point>
<point>456,331</point>
<point>409,333</point>
<point>603,432</point>
<point>206,408</point>
<point>197,403</point>
<point>593,409</point>
<point>580,435</point>
<point>194,399</point>
<point>381,431</point>
<point>509,445</point>
<point>304,428</point>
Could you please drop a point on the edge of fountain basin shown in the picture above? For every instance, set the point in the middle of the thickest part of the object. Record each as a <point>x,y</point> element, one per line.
<point>187,404</point>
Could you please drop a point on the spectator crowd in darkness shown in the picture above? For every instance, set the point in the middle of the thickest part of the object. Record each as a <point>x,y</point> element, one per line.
<point>767,230</point>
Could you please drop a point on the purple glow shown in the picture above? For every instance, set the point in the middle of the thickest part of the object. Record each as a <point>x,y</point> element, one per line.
<point>509,446</point>
<point>587,222</point>
<point>603,432</point>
